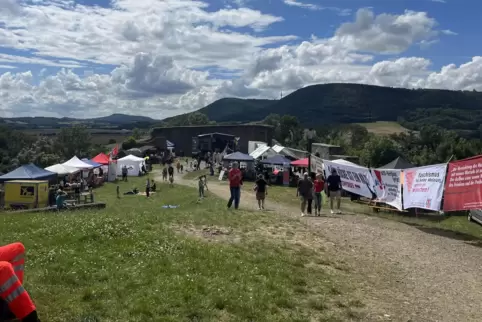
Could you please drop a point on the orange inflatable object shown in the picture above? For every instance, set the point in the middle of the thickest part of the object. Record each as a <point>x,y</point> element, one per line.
<point>12,260</point>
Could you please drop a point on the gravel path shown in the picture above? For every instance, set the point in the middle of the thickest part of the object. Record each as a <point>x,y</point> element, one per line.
<point>408,275</point>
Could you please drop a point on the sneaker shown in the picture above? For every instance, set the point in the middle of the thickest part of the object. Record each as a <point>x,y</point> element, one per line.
<point>332,212</point>
<point>302,214</point>
<point>338,212</point>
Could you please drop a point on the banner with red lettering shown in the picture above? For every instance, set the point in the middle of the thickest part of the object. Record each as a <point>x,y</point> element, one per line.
<point>388,186</point>
<point>463,187</point>
<point>423,187</point>
<point>354,178</point>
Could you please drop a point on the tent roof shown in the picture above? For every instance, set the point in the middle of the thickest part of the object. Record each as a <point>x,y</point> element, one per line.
<point>259,151</point>
<point>300,163</point>
<point>277,159</point>
<point>398,163</point>
<point>170,144</point>
<point>92,163</point>
<point>101,158</point>
<point>346,162</point>
<point>238,156</point>
<point>28,172</point>
<point>131,157</point>
<point>62,169</point>
<point>77,163</point>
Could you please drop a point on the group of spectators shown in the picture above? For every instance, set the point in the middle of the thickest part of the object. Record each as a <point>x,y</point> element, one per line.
<point>311,188</point>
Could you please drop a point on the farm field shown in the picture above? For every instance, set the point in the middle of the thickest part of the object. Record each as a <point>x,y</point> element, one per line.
<point>99,136</point>
<point>136,261</point>
<point>384,128</point>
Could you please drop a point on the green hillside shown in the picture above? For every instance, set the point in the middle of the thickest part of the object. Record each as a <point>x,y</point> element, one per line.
<point>354,103</point>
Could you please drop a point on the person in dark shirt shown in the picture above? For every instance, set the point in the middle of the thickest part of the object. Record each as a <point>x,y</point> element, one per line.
<point>261,191</point>
<point>334,190</point>
<point>305,192</point>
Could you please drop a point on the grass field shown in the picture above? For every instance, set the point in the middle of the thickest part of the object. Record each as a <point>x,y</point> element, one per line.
<point>458,225</point>
<point>384,128</point>
<point>136,261</point>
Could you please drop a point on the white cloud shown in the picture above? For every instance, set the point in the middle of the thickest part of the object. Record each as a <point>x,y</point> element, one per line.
<point>314,7</point>
<point>161,58</point>
<point>296,3</point>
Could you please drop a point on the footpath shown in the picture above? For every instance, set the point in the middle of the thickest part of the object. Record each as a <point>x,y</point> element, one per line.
<point>409,274</point>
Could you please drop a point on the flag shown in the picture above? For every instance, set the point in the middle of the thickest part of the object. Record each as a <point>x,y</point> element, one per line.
<point>114,151</point>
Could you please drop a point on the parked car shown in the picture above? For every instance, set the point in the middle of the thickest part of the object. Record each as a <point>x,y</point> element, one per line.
<point>476,215</point>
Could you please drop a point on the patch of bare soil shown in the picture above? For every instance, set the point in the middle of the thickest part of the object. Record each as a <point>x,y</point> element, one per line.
<point>209,233</point>
<point>402,273</point>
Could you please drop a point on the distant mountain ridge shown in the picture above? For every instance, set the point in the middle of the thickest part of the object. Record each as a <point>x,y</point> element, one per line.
<point>355,103</point>
<point>114,120</point>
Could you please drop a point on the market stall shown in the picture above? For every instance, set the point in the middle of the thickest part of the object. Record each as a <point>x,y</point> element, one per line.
<point>134,165</point>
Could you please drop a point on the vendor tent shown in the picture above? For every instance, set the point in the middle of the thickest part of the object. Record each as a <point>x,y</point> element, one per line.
<point>398,163</point>
<point>238,156</point>
<point>345,162</point>
<point>77,163</point>
<point>92,163</point>
<point>300,163</point>
<point>277,160</point>
<point>170,145</point>
<point>101,158</point>
<point>29,172</point>
<point>61,169</point>
<point>133,164</point>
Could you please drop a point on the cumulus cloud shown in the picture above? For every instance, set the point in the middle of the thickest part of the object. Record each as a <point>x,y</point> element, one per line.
<point>161,58</point>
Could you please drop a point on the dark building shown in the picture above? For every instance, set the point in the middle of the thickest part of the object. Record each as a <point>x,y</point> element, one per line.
<point>182,136</point>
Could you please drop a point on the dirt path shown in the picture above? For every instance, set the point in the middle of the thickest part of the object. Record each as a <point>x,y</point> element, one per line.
<point>410,275</point>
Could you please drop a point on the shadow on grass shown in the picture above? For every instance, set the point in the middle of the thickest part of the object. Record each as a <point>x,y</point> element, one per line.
<point>448,234</point>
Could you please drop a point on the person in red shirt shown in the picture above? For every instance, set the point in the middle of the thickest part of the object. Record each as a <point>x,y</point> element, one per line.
<point>318,186</point>
<point>235,178</point>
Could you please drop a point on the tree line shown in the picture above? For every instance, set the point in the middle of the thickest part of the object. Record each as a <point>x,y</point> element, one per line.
<point>18,148</point>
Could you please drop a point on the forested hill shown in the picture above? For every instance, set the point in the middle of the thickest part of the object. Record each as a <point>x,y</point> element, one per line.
<point>353,103</point>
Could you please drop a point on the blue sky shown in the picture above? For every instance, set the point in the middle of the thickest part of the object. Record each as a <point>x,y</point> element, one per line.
<point>177,55</point>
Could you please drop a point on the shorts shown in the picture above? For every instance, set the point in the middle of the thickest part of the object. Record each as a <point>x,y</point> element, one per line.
<point>260,195</point>
<point>335,194</point>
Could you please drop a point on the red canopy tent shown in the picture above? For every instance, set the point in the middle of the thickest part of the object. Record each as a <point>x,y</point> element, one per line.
<point>300,163</point>
<point>101,158</point>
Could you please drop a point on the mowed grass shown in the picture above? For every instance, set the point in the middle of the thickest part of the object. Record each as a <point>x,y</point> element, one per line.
<point>436,224</point>
<point>384,128</point>
<point>136,261</point>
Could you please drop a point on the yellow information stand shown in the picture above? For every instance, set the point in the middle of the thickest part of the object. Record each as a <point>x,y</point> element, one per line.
<point>26,194</point>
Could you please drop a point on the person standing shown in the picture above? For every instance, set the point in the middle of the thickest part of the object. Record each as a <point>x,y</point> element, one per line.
<point>202,184</point>
<point>318,187</point>
<point>305,192</point>
<point>334,190</point>
<point>148,187</point>
<point>164,174</point>
<point>261,191</point>
<point>170,170</point>
<point>235,178</point>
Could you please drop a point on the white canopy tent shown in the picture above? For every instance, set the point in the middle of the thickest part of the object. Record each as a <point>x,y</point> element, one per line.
<point>132,163</point>
<point>61,169</point>
<point>77,163</point>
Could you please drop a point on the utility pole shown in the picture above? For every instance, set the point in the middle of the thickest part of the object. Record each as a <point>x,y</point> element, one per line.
<point>309,136</point>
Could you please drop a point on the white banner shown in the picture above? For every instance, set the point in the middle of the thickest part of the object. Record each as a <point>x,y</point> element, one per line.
<point>423,187</point>
<point>354,179</point>
<point>388,187</point>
